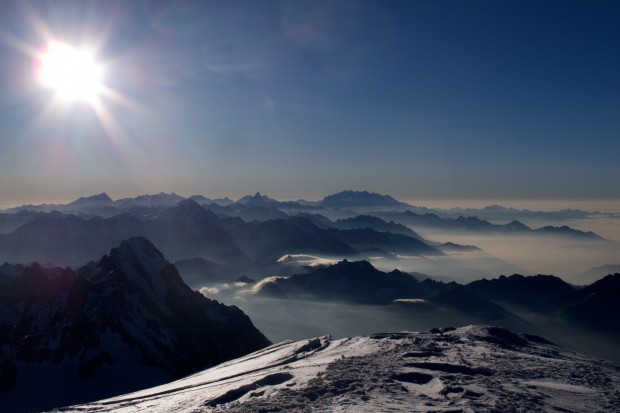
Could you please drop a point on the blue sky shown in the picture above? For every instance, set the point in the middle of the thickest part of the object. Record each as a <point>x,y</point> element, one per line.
<point>419,99</point>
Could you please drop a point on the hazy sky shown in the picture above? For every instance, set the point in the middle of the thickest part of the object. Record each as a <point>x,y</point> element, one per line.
<point>418,99</point>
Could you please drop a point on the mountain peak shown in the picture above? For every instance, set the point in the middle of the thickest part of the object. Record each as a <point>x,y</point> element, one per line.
<point>140,245</point>
<point>361,265</point>
<point>516,225</point>
<point>101,198</point>
<point>188,203</point>
<point>350,198</point>
<point>257,199</point>
<point>190,212</point>
<point>140,263</point>
<point>131,322</point>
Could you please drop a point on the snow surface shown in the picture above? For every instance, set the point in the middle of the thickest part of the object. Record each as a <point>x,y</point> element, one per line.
<point>470,369</point>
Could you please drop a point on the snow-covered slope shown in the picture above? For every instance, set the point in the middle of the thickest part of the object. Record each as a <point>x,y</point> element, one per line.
<point>470,369</point>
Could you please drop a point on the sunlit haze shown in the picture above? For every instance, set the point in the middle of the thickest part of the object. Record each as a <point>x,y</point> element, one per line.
<point>477,100</point>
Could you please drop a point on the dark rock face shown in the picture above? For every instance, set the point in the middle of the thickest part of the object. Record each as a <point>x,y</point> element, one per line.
<point>539,293</point>
<point>599,306</point>
<point>130,314</point>
<point>356,281</point>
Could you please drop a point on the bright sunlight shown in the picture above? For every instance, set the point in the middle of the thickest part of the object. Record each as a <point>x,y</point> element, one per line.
<point>73,74</point>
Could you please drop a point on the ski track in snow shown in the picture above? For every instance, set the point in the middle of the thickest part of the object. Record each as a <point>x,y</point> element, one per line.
<point>470,369</point>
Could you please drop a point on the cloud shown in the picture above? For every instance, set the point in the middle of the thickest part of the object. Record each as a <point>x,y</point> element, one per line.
<point>308,260</point>
<point>216,290</point>
<point>207,291</point>
<point>410,300</point>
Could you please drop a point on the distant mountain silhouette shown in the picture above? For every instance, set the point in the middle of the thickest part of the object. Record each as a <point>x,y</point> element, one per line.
<point>569,232</point>
<point>515,225</point>
<point>269,240</point>
<point>9,222</point>
<point>158,200</point>
<point>102,205</point>
<point>128,322</point>
<point>257,200</point>
<point>183,231</point>
<point>500,213</point>
<point>247,212</point>
<point>594,274</point>
<point>366,239</point>
<point>202,200</point>
<point>347,199</point>
<point>472,224</point>
<point>376,223</point>
<point>89,201</point>
<point>452,247</point>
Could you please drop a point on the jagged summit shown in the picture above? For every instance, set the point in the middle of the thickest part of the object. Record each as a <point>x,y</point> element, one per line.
<point>143,266</point>
<point>257,200</point>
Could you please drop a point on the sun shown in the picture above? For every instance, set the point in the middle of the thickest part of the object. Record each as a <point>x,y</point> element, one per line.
<point>73,74</point>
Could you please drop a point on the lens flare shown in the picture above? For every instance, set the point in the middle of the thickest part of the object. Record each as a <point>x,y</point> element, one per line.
<point>73,74</point>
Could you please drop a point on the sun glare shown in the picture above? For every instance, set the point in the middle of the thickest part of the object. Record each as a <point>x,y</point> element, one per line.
<point>73,74</point>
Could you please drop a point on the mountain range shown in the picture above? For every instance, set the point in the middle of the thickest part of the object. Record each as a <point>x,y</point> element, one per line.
<point>593,307</point>
<point>125,323</point>
<point>188,230</point>
<point>263,208</point>
<point>103,205</point>
<point>472,224</point>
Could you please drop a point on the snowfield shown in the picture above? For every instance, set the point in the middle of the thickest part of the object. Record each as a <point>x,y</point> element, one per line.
<point>469,369</point>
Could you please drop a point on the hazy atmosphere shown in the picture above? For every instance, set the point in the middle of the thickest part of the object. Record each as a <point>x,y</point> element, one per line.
<point>309,205</point>
<point>419,99</point>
